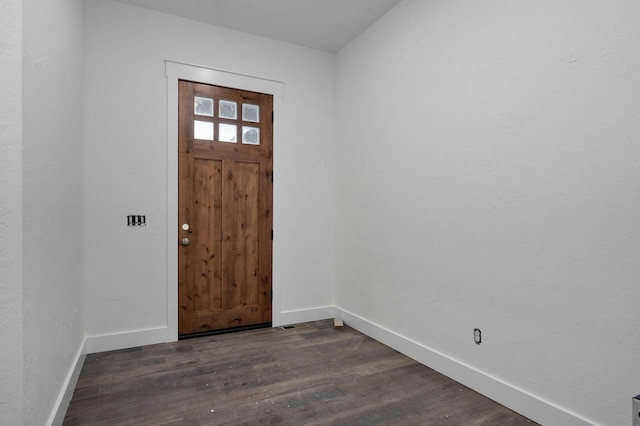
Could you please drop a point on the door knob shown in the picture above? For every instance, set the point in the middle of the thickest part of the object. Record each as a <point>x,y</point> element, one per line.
<point>185,241</point>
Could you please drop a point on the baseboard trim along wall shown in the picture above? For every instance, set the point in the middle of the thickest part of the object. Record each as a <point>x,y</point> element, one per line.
<point>66,393</point>
<point>528,405</point>
<point>131,339</point>
<point>516,399</point>
<point>115,341</point>
<point>303,315</point>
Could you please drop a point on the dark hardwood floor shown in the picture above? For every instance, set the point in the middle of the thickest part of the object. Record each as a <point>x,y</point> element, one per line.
<point>310,374</point>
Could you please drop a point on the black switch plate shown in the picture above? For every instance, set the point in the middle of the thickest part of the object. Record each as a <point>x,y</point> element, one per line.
<point>136,220</point>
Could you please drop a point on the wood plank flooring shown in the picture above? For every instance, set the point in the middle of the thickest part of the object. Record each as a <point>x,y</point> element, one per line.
<point>309,374</point>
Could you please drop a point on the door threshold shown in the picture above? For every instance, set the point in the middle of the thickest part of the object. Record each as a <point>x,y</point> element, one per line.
<point>223,331</point>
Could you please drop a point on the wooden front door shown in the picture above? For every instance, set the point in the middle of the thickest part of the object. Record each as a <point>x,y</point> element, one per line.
<point>225,187</point>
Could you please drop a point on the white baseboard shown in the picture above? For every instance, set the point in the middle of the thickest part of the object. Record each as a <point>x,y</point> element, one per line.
<point>520,401</point>
<point>131,339</point>
<point>302,315</point>
<point>115,341</point>
<point>535,408</point>
<point>66,393</point>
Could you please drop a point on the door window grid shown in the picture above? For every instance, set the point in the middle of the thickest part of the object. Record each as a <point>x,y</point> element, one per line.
<point>227,132</point>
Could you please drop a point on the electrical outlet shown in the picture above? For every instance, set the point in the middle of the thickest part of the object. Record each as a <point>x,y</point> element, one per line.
<point>636,411</point>
<point>477,336</point>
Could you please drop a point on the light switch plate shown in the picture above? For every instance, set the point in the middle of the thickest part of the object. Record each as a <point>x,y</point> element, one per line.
<point>136,220</point>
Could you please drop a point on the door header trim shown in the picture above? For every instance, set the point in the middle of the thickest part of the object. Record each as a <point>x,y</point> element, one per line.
<point>220,77</point>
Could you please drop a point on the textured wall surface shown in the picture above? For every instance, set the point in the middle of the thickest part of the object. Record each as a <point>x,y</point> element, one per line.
<point>11,396</point>
<point>126,164</point>
<point>52,197</point>
<point>488,177</point>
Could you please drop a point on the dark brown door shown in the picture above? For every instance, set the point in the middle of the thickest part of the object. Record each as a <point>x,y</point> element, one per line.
<point>225,186</point>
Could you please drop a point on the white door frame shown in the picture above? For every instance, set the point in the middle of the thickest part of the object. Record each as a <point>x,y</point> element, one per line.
<point>176,71</point>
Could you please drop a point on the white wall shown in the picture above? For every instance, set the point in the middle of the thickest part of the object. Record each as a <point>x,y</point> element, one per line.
<point>52,201</point>
<point>488,177</point>
<point>11,396</point>
<point>126,165</point>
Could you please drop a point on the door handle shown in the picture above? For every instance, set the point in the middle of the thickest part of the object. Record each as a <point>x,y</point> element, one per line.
<point>185,241</point>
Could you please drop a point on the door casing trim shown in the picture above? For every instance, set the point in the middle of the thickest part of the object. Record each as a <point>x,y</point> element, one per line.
<point>176,71</point>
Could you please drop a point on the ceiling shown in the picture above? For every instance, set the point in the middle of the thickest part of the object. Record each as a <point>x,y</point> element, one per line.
<point>320,24</point>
